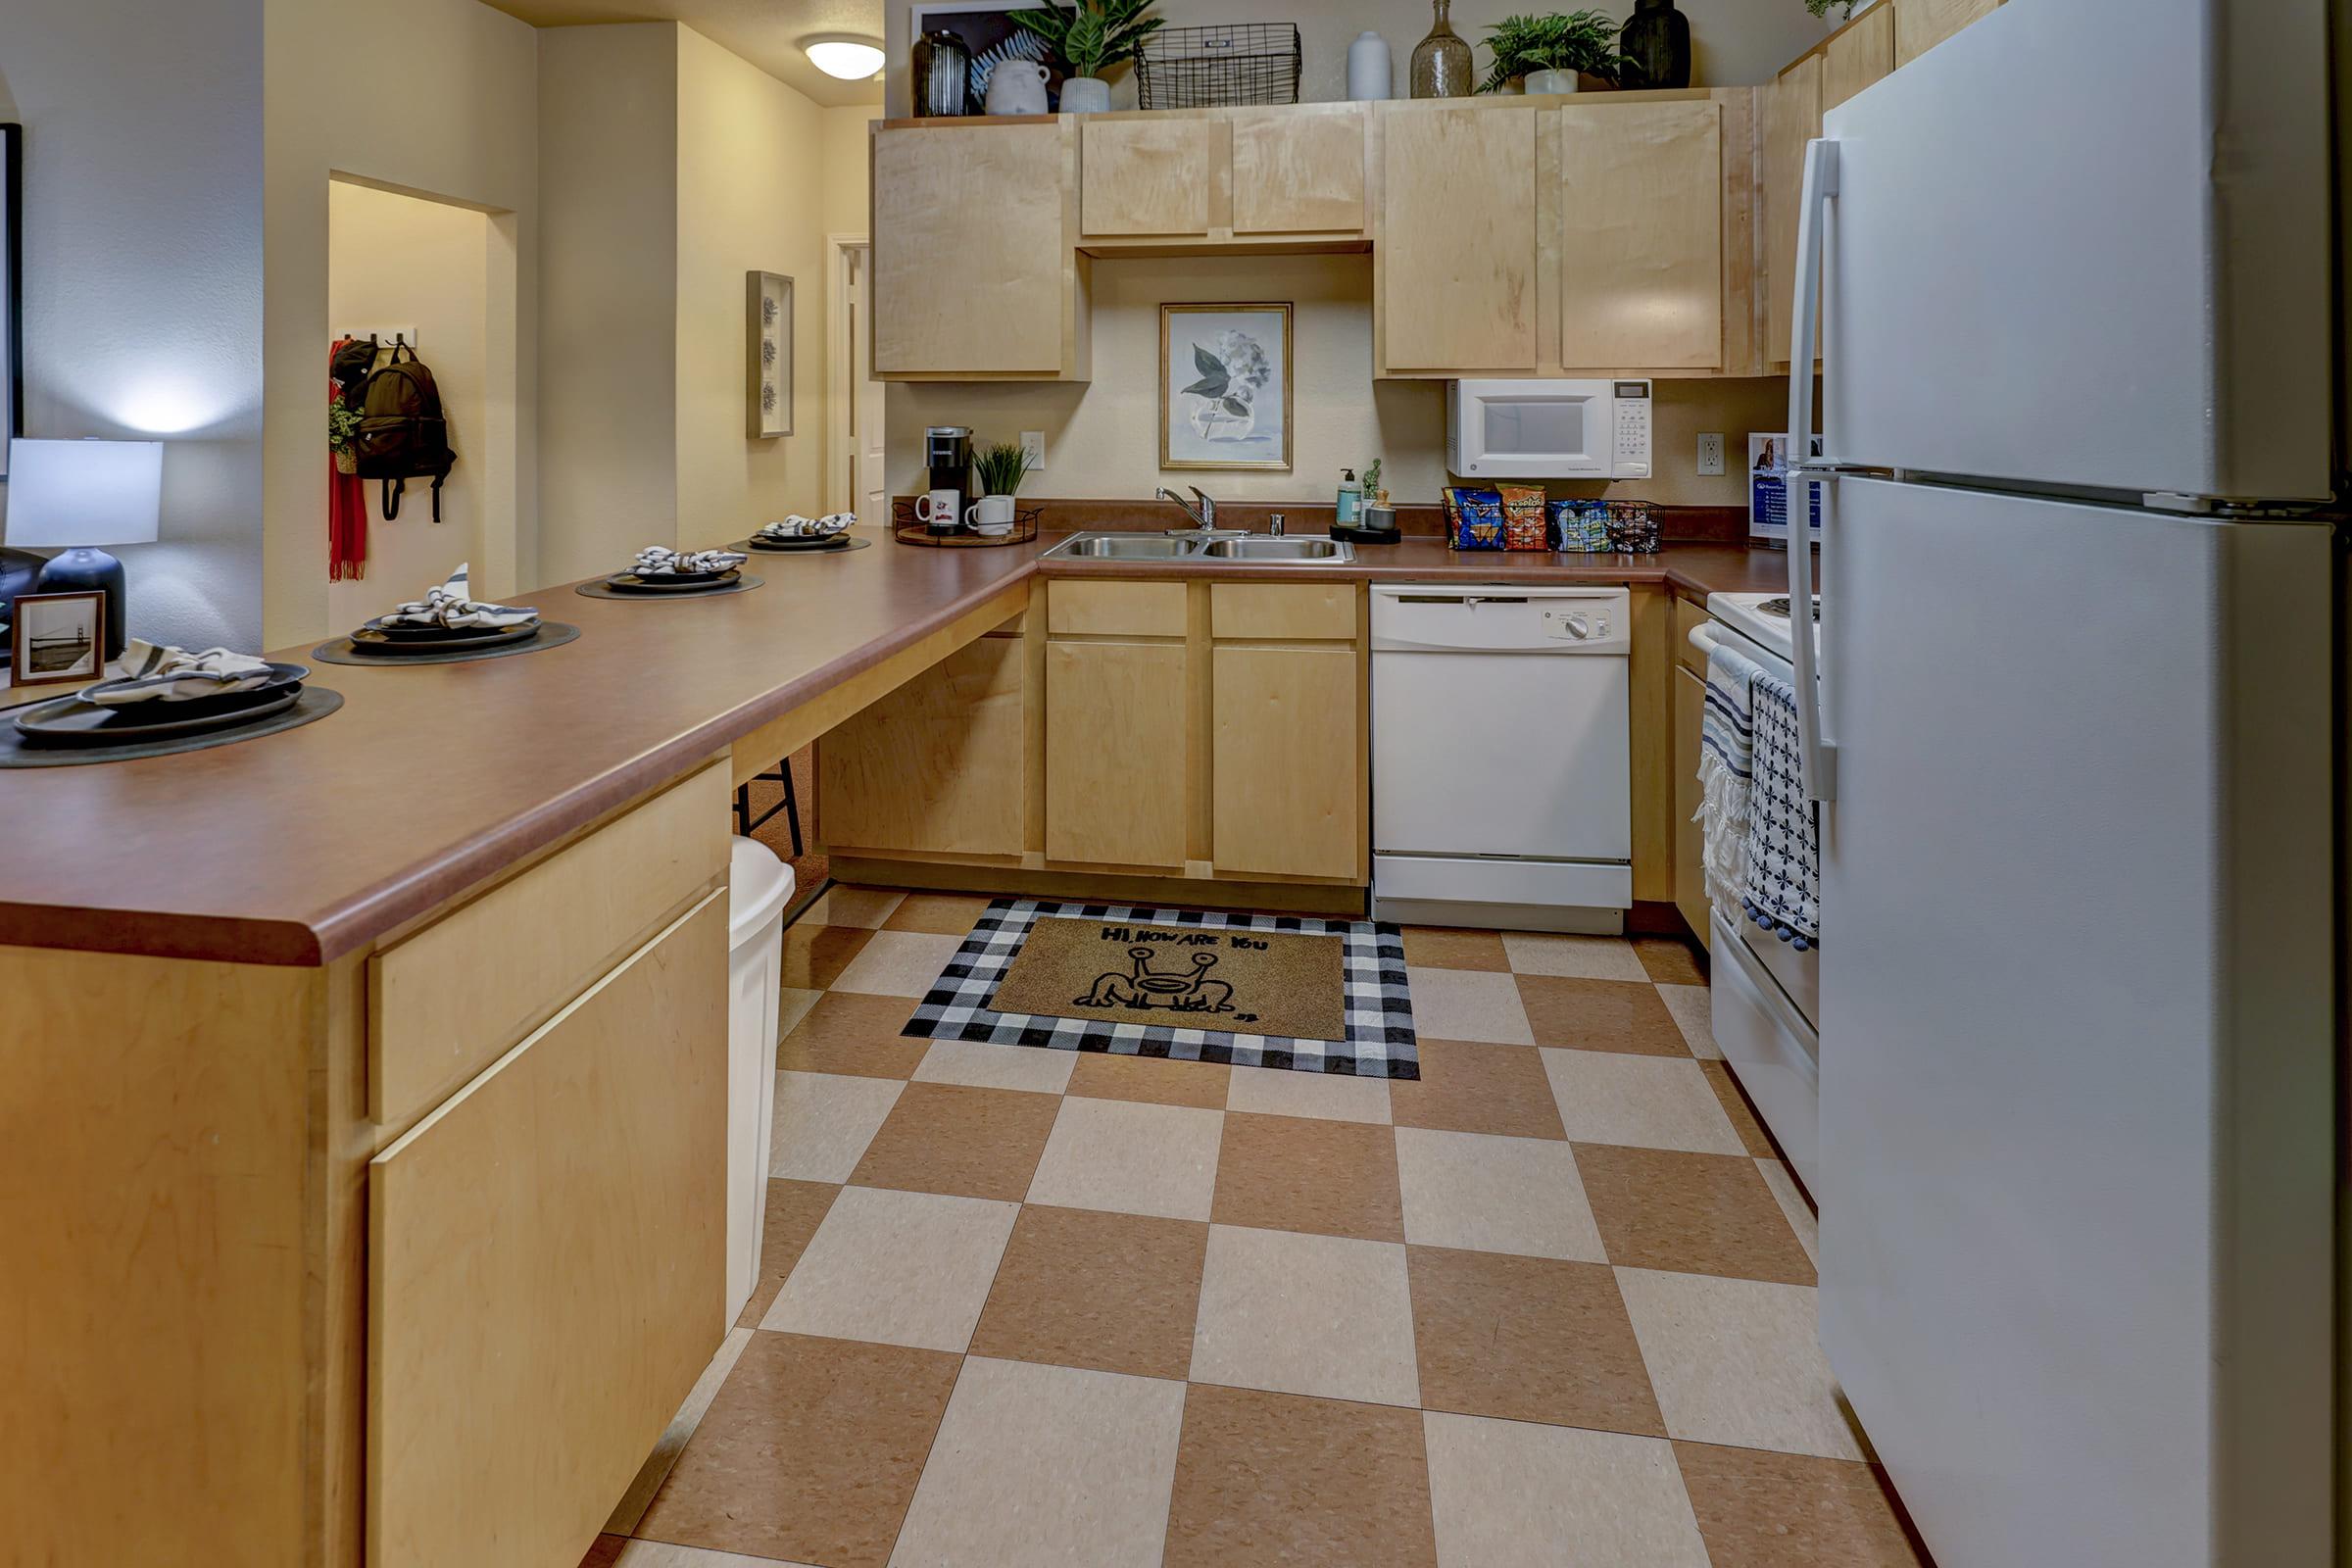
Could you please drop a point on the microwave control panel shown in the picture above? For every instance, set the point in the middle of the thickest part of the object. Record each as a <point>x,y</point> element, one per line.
<point>1629,459</point>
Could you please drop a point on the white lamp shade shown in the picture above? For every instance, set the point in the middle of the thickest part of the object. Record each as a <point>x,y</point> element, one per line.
<point>85,492</point>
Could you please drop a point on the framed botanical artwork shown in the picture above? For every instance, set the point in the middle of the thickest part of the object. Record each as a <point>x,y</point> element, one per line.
<point>57,637</point>
<point>771,354</point>
<point>1225,386</point>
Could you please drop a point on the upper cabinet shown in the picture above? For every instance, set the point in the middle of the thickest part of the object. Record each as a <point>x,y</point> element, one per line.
<point>1153,175</point>
<point>1198,177</point>
<point>1791,117</point>
<point>1454,252</point>
<point>1298,170</point>
<point>1641,276</point>
<point>1920,24</point>
<point>1857,55</point>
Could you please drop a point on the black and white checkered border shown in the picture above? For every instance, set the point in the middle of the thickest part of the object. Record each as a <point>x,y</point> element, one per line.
<point>1380,1041</point>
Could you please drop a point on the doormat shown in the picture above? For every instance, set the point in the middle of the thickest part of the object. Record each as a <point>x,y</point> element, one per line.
<point>1253,989</point>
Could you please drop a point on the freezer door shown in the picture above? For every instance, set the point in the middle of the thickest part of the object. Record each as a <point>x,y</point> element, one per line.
<point>2085,243</point>
<point>2076,1095</point>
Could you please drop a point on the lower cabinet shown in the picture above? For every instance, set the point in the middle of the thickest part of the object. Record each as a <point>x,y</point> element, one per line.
<point>1690,843</point>
<point>1286,778</point>
<point>1116,752</point>
<point>939,766</point>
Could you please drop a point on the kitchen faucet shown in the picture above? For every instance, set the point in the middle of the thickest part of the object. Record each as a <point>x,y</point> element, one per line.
<point>1204,520</point>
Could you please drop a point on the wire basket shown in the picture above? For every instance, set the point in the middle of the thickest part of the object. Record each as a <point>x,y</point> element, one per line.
<point>1202,68</point>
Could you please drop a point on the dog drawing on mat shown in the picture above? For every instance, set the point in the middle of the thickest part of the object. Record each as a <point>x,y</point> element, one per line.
<point>1143,990</point>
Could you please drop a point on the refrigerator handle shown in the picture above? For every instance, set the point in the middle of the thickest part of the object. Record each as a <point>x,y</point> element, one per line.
<point>1819,757</point>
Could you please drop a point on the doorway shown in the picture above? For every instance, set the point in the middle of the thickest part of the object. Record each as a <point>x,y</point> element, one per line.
<point>854,480</point>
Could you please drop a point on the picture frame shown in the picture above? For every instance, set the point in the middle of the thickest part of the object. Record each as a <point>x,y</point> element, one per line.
<point>56,638</point>
<point>770,389</point>
<point>1225,376</point>
<point>12,287</point>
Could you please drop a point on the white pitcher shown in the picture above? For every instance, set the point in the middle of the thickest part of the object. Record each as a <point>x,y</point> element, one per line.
<point>1017,87</point>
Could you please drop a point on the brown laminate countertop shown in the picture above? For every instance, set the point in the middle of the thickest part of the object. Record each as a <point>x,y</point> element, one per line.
<point>303,846</point>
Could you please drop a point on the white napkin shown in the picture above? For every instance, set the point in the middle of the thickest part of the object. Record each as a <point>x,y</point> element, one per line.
<point>797,526</point>
<point>660,560</point>
<point>159,674</point>
<point>451,606</point>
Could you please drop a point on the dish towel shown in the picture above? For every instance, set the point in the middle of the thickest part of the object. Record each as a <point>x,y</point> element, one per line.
<point>1781,890</point>
<point>1727,744</point>
<point>797,526</point>
<point>660,560</point>
<point>156,673</point>
<point>451,606</point>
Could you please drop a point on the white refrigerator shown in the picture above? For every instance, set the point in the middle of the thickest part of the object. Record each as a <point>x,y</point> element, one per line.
<point>2072,742</point>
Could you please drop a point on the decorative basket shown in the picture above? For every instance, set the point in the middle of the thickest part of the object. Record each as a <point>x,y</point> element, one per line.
<point>1202,68</point>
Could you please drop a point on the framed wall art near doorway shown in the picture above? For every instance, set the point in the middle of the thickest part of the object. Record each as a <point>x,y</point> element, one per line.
<point>771,354</point>
<point>1225,386</point>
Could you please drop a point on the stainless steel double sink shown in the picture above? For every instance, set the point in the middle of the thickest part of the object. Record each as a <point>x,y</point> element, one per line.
<point>1304,551</point>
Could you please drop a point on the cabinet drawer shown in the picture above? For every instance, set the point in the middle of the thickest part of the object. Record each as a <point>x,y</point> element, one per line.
<point>445,1002</point>
<point>1687,616</point>
<point>1114,608</point>
<point>547,1268</point>
<point>1278,611</point>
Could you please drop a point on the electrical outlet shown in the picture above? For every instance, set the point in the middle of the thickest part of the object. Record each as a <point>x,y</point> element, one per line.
<point>1033,450</point>
<point>1710,454</point>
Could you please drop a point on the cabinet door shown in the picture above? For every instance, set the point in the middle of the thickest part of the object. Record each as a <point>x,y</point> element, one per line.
<point>1920,24</point>
<point>1115,753</point>
<point>546,1268</point>
<point>1690,843</point>
<point>1298,170</point>
<point>973,265</point>
<point>1791,117</point>
<point>1287,798</point>
<point>938,767</point>
<point>1642,258</point>
<point>1454,264</point>
<point>1859,55</point>
<point>1151,175</point>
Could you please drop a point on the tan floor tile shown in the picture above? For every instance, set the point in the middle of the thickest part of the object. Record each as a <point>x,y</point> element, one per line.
<point>1493,1195</point>
<point>1288,1173</point>
<point>810,1453</point>
<point>1322,1315</point>
<point>1600,1015</point>
<point>897,964</point>
<point>1694,1009</point>
<point>1117,1293</point>
<point>1045,1464</point>
<point>1469,1087</point>
<point>824,1121</point>
<point>971,1143</point>
<point>1527,1339</point>
<point>1690,1213</point>
<point>1153,1080</point>
<point>655,1555</point>
<point>853,1034</point>
<point>1280,1480</point>
<point>1333,1095</point>
<point>1131,1157</point>
<point>1650,1102</point>
<point>945,914</point>
<point>1508,1495</point>
<point>1670,960</point>
<point>859,907</point>
<point>1735,1104</point>
<point>1579,957</point>
<point>978,1064</point>
<point>1736,1361</point>
<point>795,1209</point>
<point>1781,1510</point>
<point>1467,1005</point>
<point>895,1268</point>
<point>673,1442</point>
<point>815,956</point>
<point>1436,948</point>
<point>792,1006</point>
<point>1786,1192</point>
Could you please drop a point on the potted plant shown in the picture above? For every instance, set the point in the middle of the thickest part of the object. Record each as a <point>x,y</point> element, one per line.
<point>1549,50</point>
<point>1000,468</point>
<point>1086,37</point>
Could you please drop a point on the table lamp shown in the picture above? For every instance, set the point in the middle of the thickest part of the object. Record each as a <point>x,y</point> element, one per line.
<point>82,495</point>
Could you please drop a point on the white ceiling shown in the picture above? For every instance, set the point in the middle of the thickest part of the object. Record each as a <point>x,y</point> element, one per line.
<point>767,32</point>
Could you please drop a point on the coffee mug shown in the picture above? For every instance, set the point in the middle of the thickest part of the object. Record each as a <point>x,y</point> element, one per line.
<point>990,514</point>
<point>938,507</point>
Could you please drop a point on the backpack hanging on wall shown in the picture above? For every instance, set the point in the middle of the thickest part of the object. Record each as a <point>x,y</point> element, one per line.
<point>402,434</point>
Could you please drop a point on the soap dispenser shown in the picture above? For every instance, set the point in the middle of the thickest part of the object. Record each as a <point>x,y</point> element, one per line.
<point>1351,498</point>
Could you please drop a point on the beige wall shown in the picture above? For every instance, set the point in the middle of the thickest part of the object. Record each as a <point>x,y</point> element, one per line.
<point>846,166</point>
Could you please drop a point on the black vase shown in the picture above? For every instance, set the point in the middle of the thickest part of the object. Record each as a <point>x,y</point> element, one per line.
<point>1656,40</point>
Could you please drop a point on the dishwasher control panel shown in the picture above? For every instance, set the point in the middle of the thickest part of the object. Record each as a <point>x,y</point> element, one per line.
<point>1500,619</point>
<point>1575,623</point>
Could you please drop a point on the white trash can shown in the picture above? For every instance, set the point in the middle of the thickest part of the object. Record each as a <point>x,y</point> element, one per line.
<point>760,887</point>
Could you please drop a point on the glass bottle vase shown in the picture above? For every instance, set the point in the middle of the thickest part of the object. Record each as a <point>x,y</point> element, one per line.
<point>1442,62</point>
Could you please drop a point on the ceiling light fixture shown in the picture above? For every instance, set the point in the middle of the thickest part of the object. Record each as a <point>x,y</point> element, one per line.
<point>849,59</point>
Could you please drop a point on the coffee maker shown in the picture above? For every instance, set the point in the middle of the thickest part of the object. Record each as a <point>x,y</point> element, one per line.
<point>948,451</point>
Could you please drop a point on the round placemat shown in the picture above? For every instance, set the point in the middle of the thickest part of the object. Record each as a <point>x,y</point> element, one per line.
<point>552,634</point>
<point>599,589</point>
<point>771,553</point>
<point>315,702</point>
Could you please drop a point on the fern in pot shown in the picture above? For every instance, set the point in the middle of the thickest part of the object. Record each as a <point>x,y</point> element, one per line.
<point>1548,51</point>
<point>1000,468</point>
<point>1087,37</point>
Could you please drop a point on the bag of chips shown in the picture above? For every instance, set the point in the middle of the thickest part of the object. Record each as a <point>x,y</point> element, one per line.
<point>1523,517</point>
<point>1632,529</point>
<point>1473,518</point>
<point>1580,526</point>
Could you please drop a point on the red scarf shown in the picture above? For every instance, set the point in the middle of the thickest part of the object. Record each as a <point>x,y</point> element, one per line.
<point>346,505</point>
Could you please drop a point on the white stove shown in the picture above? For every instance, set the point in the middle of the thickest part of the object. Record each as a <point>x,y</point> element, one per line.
<point>1762,619</point>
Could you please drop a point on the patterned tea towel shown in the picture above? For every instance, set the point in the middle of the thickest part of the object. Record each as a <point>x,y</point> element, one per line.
<point>451,606</point>
<point>1782,885</point>
<point>660,560</point>
<point>1727,743</point>
<point>797,526</point>
<point>158,673</point>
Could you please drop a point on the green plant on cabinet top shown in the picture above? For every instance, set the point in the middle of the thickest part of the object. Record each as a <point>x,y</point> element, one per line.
<point>1580,41</point>
<point>1091,33</point>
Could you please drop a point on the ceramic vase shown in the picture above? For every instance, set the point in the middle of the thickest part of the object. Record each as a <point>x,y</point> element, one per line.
<point>1368,72</point>
<point>1539,82</point>
<point>1017,87</point>
<point>1084,95</point>
<point>1442,62</point>
<point>1656,38</point>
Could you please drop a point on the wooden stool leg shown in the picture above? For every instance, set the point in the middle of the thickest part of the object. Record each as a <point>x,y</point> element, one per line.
<point>791,808</point>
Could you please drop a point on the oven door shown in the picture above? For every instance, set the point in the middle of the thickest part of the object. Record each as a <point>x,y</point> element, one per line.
<point>1534,429</point>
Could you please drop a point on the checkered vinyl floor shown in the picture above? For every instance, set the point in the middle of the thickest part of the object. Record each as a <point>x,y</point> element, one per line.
<point>1550,1303</point>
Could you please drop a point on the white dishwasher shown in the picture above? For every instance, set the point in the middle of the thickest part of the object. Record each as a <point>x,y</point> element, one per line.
<point>1502,766</point>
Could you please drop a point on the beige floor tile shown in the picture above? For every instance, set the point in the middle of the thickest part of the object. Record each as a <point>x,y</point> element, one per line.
<point>815,954</point>
<point>859,907</point>
<point>946,914</point>
<point>1468,1004</point>
<point>1117,1293</point>
<point>792,1006</point>
<point>1801,1218</point>
<point>1468,1087</point>
<point>1650,1102</point>
<point>1322,1315</point>
<point>1689,1213</point>
<point>1333,1095</point>
<point>1693,1010</point>
<point>795,1209</point>
<point>1278,1481</point>
<point>1783,1510</point>
<point>1508,1495</point>
<point>1153,1080</point>
<point>895,1268</point>
<point>899,963</point>
<point>656,1554</point>
<point>968,1143</point>
<point>1045,1464</point>
<point>1736,1361</point>
<point>1290,1173</point>
<point>981,1065</point>
<point>823,1123</point>
<point>1495,1195</point>
<point>1579,957</point>
<point>1131,1157</point>
<point>1600,1015</point>
<point>1448,949</point>
<point>673,1442</point>
<point>849,1033</point>
<point>1670,960</point>
<point>1527,1339</point>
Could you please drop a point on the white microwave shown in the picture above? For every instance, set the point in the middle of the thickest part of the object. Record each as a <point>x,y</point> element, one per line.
<point>1547,429</point>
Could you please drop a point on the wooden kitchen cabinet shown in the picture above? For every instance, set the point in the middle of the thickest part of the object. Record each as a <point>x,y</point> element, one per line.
<point>1192,179</point>
<point>1791,117</point>
<point>1152,174</point>
<point>1286,755</point>
<point>1920,24</point>
<point>1641,196</point>
<point>1690,843</point>
<point>1298,170</point>
<point>1117,749</point>
<point>938,767</point>
<point>1857,55</point>
<point>1455,245</point>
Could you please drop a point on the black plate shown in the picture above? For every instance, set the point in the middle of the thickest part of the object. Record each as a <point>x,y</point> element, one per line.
<point>71,722</point>
<point>686,576</point>
<point>830,541</point>
<point>156,709</point>
<point>389,641</point>
<point>628,582</point>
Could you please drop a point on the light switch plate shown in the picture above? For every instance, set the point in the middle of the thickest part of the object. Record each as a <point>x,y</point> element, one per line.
<point>1033,450</point>
<point>1710,454</point>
